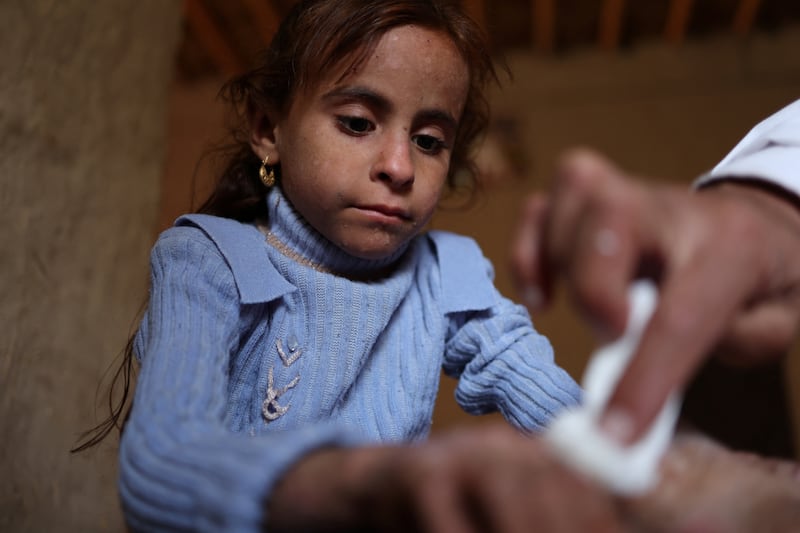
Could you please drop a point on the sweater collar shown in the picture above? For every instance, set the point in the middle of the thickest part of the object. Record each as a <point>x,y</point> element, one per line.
<point>290,234</point>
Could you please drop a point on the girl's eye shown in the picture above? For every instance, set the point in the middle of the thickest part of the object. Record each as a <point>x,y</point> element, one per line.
<point>428,143</point>
<point>356,125</point>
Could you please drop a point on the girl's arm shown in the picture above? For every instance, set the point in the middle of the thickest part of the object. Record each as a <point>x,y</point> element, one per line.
<point>504,365</point>
<point>502,362</point>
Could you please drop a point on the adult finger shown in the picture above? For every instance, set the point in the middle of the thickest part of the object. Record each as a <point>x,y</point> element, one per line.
<point>579,173</point>
<point>595,238</point>
<point>607,256</point>
<point>527,261</point>
<point>696,304</point>
<point>761,333</point>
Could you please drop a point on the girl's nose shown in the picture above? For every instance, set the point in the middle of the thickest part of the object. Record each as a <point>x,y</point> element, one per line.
<point>394,165</point>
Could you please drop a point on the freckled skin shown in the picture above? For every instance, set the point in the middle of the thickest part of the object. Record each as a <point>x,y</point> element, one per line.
<point>365,158</point>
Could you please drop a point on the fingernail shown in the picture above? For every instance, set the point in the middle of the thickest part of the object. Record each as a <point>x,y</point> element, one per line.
<point>617,425</point>
<point>532,297</point>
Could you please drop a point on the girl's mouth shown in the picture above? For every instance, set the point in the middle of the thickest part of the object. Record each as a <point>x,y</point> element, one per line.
<point>386,212</point>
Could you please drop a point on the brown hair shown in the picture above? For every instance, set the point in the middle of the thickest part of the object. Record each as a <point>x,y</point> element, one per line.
<point>315,38</point>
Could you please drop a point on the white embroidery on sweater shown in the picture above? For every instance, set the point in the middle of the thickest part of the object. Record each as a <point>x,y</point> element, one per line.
<point>294,352</point>
<point>271,409</point>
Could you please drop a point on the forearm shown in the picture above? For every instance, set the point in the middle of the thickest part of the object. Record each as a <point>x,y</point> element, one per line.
<point>504,365</point>
<point>324,492</point>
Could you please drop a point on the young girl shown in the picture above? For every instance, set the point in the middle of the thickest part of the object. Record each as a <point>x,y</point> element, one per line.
<point>297,326</point>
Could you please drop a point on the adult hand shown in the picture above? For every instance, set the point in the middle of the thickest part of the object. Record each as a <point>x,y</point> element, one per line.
<point>726,259</point>
<point>488,478</point>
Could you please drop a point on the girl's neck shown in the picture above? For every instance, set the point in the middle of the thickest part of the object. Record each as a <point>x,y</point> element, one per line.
<point>289,233</point>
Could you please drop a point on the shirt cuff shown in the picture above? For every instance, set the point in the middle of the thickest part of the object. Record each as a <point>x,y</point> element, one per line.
<point>775,164</point>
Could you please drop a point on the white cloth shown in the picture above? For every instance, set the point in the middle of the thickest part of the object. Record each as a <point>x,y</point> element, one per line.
<point>770,152</point>
<point>574,435</point>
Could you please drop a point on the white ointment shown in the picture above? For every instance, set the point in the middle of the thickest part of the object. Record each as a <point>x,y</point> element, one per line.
<point>575,436</point>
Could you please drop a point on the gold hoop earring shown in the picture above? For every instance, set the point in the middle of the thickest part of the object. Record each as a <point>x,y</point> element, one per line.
<point>267,174</point>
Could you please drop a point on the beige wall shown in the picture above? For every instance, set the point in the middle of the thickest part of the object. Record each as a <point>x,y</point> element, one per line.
<point>82,113</point>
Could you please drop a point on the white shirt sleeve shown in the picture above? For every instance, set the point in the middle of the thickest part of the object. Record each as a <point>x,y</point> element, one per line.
<point>770,152</point>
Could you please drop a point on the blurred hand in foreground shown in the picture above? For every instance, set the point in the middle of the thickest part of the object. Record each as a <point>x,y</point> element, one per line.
<point>726,259</point>
<point>706,487</point>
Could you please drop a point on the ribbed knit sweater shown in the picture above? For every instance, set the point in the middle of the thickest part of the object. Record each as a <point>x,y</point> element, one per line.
<point>261,345</point>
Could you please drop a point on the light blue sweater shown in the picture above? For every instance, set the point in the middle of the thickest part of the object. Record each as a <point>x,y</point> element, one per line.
<point>255,350</point>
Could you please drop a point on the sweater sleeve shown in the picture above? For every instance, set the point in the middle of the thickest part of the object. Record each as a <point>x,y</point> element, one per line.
<point>769,152</point>
<point>502,363</point>
<point>180,467</point>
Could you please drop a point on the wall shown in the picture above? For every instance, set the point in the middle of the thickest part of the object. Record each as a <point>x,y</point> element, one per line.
<point>82,113</point>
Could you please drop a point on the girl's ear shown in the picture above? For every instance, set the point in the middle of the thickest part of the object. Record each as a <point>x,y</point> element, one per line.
<point>262,135</point>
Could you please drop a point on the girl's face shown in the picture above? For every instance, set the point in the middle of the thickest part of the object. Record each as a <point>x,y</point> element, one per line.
<point>365,154</point>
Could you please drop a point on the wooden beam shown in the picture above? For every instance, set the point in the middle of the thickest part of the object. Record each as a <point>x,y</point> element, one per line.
<point>745,16</point>
<point>265,18</point>
<point>677,20</point>
<point>543,25</point>
<point>610,27</point>
<point>216,45</point>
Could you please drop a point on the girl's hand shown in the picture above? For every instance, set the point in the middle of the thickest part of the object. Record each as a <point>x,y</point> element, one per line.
<point>482,479</point>
<point>727,261</point>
